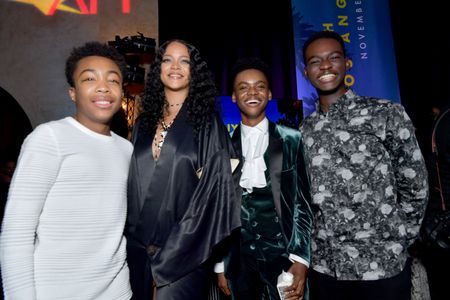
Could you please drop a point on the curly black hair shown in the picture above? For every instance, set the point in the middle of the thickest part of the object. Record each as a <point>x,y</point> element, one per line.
<point>201,100</point>
<point>93,49</point>
<point>247,63</point>
<point>325,34</point>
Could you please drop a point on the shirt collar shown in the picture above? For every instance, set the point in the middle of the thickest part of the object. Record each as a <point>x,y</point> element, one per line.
<point>343,100</point>
<point>261,128</point>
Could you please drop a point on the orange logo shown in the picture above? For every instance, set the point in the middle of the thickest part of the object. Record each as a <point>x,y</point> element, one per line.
<point>48,7</point>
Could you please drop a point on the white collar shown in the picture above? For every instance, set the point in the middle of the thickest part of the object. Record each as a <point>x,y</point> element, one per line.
<point>255,141</point>
<point>261,128</point>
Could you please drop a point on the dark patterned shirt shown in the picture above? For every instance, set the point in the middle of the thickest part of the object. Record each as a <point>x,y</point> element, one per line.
<point>369,187</point>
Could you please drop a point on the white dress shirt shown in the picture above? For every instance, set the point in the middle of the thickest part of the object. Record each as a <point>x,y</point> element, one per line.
<point>255,141</point>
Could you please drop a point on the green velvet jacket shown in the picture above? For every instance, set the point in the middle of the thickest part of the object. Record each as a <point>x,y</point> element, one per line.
<point>290,189</point>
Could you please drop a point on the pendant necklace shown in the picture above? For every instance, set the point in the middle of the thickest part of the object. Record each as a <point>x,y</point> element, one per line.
<point>162,134</point>
<point>159,139</point>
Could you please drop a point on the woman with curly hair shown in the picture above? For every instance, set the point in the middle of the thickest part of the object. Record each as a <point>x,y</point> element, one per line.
<point>181,194</point>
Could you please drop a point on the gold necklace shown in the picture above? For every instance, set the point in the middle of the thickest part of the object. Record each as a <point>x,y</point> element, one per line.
<point>165,126</point>
<point>162,134</point>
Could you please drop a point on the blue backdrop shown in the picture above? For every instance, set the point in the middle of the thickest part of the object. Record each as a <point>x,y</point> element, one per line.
<point>366,28</point>
<point>231,116</point>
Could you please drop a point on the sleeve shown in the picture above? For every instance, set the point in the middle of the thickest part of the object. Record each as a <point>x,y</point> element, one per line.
<point>409,168</point>
<point>300,243</point>
<point>219,267</point>
<point>215,138</point>
<point>35,174</point>
<point>135,132</point>
<point>443,148</point>
<point>133,185</point>
<point>295,258</point>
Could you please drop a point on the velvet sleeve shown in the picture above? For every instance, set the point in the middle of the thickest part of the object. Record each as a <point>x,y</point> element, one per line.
<point>300,242</point>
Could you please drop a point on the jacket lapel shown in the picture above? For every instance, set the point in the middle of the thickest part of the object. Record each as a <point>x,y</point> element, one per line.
<point>275,165</point>
<point>236,141</point>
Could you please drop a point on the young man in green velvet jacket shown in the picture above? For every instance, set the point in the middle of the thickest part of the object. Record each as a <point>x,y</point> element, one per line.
<point>275,212</point>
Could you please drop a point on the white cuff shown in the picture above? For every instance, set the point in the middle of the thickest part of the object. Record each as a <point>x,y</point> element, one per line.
<point>219,267</point>
<point>296,258</point>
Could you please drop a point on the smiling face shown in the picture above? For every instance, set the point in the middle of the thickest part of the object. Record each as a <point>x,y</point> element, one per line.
<point>251,93</point>
<point>326,66</point>
<point>97,92</point>
<point>176,68</point>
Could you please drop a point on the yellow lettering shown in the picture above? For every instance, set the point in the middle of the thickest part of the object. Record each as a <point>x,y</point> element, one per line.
<point>349,80</point>
<point>341,3</point>
<point>350,63</point>
<point>328,26</point>
<point>343,20</point>
<point>231,128</point>
<point>346,37</point>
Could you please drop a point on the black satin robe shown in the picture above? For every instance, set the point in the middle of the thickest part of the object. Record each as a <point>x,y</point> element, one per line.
<point>169,207</point>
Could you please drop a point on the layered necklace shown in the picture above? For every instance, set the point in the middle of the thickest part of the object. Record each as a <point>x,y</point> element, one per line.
<point>161,137</point>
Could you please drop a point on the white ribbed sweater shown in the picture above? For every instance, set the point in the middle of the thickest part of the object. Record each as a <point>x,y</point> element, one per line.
<point>62,231</point>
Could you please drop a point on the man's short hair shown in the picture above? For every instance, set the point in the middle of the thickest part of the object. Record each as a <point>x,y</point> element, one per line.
<point>325,34</point>
<point>93,49</point>
<point>248,63</point>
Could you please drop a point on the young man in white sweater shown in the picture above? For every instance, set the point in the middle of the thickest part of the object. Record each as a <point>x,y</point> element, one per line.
<point>62,231</point>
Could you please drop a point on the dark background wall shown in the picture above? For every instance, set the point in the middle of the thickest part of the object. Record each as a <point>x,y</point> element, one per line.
<point>240,28</point>
<point>264,28</point>
<point>422,44</point>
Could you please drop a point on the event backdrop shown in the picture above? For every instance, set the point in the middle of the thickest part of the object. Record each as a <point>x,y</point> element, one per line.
<point>36,36</point>
<point>366,29</point>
